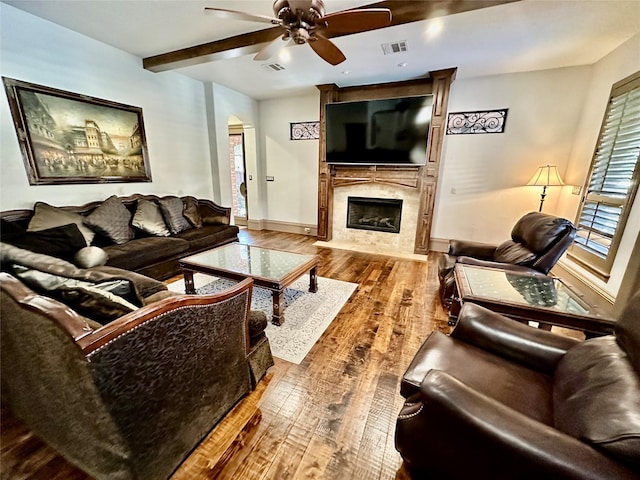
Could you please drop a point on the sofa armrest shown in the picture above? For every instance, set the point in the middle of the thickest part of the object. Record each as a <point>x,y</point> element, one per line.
<point>207,208</point>
<point>483,251</point>
<point>536,349</point>
<point>451,429</point>
<point>170,371</point>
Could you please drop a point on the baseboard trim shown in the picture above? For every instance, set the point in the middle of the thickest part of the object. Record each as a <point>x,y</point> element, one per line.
<point>286,227</point>
<point>439,245</point>
<point>586,282</point>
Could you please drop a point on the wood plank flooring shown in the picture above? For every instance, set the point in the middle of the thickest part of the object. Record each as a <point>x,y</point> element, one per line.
<point>331,417</point>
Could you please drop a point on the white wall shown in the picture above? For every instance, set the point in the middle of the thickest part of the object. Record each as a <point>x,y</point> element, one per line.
<point>481,191</point>
<point>40,52</point>
<point>616,66</point>
<point>292,196</point>
<point>228,103</point>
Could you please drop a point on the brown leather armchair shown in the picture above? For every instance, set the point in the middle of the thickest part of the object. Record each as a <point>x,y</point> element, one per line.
<point>497,399</point>
<point>537,242</point>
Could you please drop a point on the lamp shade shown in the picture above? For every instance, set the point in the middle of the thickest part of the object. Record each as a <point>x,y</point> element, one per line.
<point>546,175</point>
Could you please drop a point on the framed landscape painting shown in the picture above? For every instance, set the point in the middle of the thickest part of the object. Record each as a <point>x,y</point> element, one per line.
<point>70,138</point>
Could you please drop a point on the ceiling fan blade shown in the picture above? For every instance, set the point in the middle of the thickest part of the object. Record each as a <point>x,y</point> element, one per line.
<point>235,15</point>
<point>271,49</point>
<point>326,49</point>
<point>356,21</point>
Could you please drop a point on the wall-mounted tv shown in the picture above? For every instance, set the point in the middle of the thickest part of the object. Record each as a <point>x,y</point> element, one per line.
<point>392,131</point>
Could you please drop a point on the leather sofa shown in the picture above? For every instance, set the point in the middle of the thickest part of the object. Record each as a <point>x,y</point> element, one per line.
<point>127,398</point>
<point>537,242</point>
<point>497,399</point>
<point>149,247</point>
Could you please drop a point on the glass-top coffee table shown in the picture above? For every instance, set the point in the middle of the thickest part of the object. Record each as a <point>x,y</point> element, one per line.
<point>271,269</point>
<point>527,297</point>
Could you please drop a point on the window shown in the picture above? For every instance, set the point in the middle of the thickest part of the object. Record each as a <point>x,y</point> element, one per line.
<point>612,182</point>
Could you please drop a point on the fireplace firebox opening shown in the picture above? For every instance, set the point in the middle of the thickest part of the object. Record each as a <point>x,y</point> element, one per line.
<point>379,214</point>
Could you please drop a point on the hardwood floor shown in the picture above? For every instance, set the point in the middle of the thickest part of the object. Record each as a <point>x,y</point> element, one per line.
<point>331,417</point>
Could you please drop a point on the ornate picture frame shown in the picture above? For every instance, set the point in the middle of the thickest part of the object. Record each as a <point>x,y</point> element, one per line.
<point>68,138</point>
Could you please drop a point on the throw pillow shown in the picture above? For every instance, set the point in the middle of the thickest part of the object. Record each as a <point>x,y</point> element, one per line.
<point>88,257</point>
<point>148,218</point>
<point>62,242</point>
<point>111,219</point>
<point>191,211</point>
<point>46,216</point>
<point>172,213</point>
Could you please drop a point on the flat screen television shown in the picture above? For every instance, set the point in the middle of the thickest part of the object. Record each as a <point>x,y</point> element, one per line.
<point>392,131</point>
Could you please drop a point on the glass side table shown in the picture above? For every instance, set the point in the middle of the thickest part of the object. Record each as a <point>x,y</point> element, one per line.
<point>527,297</point>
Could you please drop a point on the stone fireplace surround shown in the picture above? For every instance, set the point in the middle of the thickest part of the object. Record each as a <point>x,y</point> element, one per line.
<point>369,239</point>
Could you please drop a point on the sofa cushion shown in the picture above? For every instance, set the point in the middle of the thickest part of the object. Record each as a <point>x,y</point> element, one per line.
<point>172,212</point>
<point>148,218</point>
<point>111,219</point>
<point>46,216</point>
<point>63,241</point>
<point>141,252</point>
<point>192,212</point>
<point>514,253</point>
<point>91,256</point>
<point>538,231</point>
<point>596,398</point>
<point>209,236</point>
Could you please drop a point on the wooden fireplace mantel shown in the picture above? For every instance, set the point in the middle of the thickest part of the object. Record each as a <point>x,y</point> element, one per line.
<point>396,176</point>
<point>423,178</point>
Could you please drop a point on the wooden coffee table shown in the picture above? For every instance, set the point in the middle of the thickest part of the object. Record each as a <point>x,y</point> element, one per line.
<point>270,269</point>
<point>527,297</point>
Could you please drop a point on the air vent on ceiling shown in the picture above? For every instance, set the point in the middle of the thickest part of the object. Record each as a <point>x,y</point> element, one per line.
<point>395,47</point>
<point>275,67</point>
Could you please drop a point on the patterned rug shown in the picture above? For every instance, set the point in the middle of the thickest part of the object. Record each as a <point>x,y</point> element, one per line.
<point>307,315</point>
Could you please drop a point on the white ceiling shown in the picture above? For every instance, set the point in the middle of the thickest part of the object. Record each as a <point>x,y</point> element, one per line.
<point>523,36</point>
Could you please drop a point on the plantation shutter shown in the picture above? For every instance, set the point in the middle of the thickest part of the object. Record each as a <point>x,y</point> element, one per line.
<point>612,183</point>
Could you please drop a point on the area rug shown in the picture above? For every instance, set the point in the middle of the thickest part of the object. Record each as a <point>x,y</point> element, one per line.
<point>307,315</point>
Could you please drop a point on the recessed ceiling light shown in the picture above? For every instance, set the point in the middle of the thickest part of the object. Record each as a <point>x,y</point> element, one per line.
<point>403,64</point>
<point>345,72</point>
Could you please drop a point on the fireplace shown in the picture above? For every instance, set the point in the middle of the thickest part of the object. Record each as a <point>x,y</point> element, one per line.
<point>378,214</point>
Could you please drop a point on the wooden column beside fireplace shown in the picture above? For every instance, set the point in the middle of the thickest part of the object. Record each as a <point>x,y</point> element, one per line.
<point>423,178</point>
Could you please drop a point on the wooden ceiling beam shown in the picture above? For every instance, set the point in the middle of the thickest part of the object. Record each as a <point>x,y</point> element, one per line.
<point>403,11</point>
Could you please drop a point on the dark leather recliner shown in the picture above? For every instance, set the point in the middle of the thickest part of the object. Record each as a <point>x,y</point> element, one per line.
<point>497,399</point>
<point>537,242</point>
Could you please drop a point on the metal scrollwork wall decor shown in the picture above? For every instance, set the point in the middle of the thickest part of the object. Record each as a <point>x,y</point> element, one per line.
<point>485,121</point>
<point>305,131</point>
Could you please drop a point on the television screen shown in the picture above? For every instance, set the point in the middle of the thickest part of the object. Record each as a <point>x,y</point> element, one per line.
<point>393,131</point>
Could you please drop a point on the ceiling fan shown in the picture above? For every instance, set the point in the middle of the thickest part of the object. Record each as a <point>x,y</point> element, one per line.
<point>304,21</point>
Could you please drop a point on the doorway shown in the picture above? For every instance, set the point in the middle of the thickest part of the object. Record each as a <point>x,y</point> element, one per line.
<point>238,175</point>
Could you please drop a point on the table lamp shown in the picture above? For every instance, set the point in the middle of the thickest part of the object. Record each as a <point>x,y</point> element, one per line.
<point>545,176</point>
